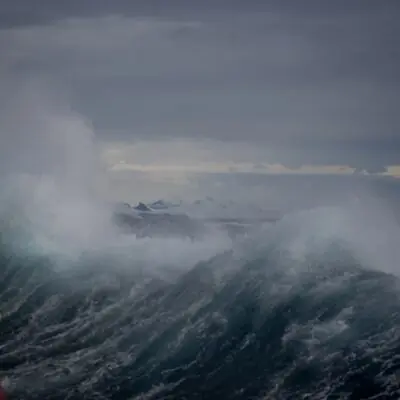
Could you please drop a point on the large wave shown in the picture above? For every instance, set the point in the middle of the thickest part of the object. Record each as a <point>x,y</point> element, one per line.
<point>287,314</point>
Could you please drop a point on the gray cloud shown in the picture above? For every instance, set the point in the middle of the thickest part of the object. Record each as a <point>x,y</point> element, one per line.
<point>23,12</point>
<point>298,83</point>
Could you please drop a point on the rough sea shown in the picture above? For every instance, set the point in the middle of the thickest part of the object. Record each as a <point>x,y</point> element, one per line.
<point>297,310</point>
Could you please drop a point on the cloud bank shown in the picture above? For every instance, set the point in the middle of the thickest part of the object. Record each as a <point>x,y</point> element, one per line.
<point>291,84</point>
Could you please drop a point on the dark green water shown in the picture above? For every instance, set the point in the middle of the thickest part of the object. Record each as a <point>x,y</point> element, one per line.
<point>248,324</point>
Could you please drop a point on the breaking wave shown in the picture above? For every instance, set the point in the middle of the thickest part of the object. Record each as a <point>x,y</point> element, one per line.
<point>299,310</point>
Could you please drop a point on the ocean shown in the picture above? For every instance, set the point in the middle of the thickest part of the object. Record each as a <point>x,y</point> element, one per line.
<point>296,310</point>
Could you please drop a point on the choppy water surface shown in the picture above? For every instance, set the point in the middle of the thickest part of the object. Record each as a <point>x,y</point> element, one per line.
<point>258,321</point>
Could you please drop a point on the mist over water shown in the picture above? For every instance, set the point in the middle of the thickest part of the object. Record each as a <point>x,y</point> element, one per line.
<point>53,184</point>
<point>308,306</point>
<point>50,168</point>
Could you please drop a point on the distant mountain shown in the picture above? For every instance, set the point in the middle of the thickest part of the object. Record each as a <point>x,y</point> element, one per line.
<point>162,218</point>
<point>157,224</point>
<point>143,207</point>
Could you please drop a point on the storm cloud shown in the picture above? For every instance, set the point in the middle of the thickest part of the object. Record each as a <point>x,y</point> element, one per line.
<point>296,83</point>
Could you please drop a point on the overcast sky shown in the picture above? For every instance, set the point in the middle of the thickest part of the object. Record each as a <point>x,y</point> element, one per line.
<point>219,82</point>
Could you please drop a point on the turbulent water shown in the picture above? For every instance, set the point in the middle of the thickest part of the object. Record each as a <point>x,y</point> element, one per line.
<point>267,319</point>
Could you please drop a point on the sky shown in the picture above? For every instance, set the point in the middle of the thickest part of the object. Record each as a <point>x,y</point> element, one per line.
<point>173,87</point>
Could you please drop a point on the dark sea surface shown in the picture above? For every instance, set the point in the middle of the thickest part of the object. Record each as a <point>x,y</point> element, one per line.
<point>271,318</point>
